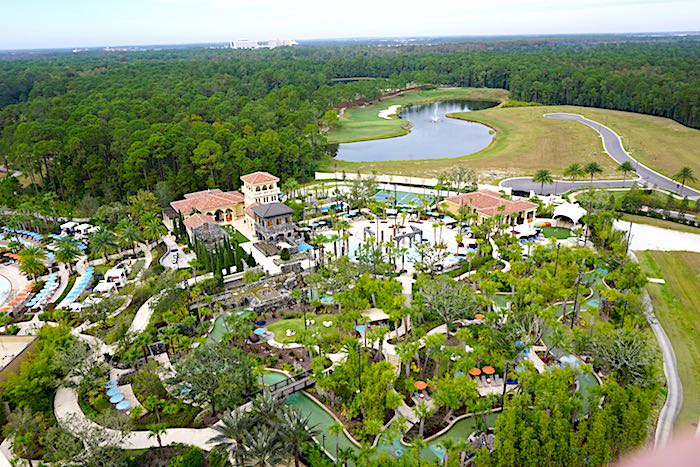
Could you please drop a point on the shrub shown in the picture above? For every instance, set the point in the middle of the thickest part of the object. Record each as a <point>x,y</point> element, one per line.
<point>285,255</point>
<point>192,458</point>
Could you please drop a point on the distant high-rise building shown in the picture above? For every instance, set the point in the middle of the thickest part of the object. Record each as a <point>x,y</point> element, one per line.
<point>244,44</point>
<point>281,43</point>
<point>250,44</point>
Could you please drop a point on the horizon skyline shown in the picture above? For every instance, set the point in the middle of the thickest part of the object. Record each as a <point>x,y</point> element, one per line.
<point>83,24</point>
<point>263,39</point>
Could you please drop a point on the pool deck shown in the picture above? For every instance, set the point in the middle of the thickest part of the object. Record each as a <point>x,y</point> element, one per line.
<point>17,280</point>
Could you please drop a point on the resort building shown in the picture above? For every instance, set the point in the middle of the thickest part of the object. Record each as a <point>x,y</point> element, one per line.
<point>487,204</point>
<point>273,222</point>
<point>258,208</point>
<point>260,188</point>
<point>222,206</point>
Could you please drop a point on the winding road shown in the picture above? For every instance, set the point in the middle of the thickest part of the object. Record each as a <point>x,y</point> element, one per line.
<point>614,148</point>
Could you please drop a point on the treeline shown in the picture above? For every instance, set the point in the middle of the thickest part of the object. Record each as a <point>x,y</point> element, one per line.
<point>107,125</point>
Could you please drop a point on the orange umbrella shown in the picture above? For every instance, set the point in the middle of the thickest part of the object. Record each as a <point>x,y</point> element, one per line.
<point>474,371</point>
<point>489,370</point>
<point>420,385</point>
<point>479,316</point>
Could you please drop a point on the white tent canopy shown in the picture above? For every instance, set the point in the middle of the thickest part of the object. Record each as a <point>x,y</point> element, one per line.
<point>68,225</point>
<point>571,211</point>
<point>375,314</point>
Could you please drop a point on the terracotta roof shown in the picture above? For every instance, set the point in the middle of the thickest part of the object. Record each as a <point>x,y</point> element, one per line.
<point>209,199</point>
<point>197,220</point>
<point>488,202</point>
<point>259,177</point>
<point>249,210</point>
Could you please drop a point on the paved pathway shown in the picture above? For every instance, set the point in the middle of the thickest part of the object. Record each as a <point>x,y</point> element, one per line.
<point>674,389</point>
<point>183,259</point>
<point>614,148</point>
<point>72,419</point>
<point>143,315</point>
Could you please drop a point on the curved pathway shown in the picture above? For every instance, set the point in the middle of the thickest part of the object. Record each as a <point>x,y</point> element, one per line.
<point>674,393</point>
<point>614,148</point>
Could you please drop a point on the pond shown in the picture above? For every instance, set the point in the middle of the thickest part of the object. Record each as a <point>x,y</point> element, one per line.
<point>432,136</point>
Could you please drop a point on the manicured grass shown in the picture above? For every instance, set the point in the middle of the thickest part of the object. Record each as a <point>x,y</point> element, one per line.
<point>66,291</point>
<point>236,235</point>
<point>677,306</point>
<point>240,238</point>
<point>297,325</point>
<point>556,232</point>
<point>363,123</point>
<point>660,223</point>
<point>526,141</point>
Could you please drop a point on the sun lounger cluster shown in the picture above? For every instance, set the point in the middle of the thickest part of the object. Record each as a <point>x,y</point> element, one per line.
<point>80,285</point>
<point>46,292</point>
<point>18,300</point>
<point>25,233</point>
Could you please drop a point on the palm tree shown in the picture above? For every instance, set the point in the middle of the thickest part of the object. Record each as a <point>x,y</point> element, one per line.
<point>67,251</point>
<point>157,431</point>
<point>345,455</point>
<point>422,411</point>
<point>448,445</point>
<point>335,429</point>
<point>419,444</point>
<point>129,234</point>
<point>102,243</point>
<point>153,229</point>
<point>264,447</point>
<point>543,176</point>
<point>573,170</point>
<point>626,168</point>
<point>592,168</point>
<point>685,175</point>
<point>296,431</point>
<point>31,260</point>
<point>231,435</point>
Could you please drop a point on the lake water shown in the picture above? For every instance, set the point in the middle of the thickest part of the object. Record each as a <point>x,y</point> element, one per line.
<point>432,136</point>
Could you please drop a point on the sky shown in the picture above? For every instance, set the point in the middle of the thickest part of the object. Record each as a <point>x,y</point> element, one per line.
<point>27,24</point>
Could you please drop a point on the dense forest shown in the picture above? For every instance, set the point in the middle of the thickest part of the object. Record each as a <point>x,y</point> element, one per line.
<point>104,125</point>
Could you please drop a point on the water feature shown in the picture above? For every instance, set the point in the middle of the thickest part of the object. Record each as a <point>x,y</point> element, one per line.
<point>5,289</point>
<point>432,135</point>
<point>219,328</point>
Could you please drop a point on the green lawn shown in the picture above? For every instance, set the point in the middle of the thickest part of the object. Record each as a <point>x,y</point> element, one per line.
<point>556,232</point>
<point>328,334</point>
<point>526,141</point>
<point>237,235</point>
<point>660,223</point>
<point>677,306</point>
<point>363,123</point>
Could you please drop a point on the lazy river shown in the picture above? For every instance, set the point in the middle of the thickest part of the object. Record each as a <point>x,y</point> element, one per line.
<point>432,135</point>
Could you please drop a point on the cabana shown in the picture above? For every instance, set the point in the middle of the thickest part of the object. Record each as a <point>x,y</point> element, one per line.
<point>117,276</point>
<point>82,230</point>
<point>68,227</point>
<point>570,212</point>
<point>105,288</point>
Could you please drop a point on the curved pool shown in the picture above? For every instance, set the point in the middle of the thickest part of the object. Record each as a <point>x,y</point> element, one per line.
<point>5,289</point>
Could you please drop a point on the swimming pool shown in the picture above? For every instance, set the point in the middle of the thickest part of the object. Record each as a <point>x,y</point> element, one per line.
<point>5,289</point>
